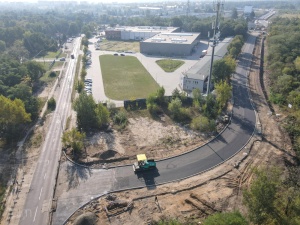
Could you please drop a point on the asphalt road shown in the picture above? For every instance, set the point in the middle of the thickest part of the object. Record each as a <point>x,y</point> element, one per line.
<point>91,183</point>
<point>39,199</point>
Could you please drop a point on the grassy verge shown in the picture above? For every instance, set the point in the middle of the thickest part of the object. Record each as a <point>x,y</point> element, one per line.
<point>169,65</point>
<point>126,78</point>
<point>77,72</point>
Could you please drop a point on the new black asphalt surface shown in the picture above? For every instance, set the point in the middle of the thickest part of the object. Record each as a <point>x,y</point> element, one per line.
<point>227,144</point>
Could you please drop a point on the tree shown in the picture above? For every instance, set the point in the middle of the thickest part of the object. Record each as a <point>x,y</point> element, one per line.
<point>51,104</point>
<point>230,218</point>
<point>203,124</point>
<point>234,13</point>
<point>152,105</point>
<point>161,95</point>
<point>198,99</point>
<point>85,107</point>
<point>102,115</point>
<point>297,63</point>
<point>222,69</point>
<point>175,106</point>
<point>224,92</point>
<point>175,93</point>
<point>2,46</point>
<point>260,198</point>
<point>176,22</point>
<point>12,115</point>
<point>210,109</point>
<point>35,70</point>
<point>89,114</point>
<point>73,139</point>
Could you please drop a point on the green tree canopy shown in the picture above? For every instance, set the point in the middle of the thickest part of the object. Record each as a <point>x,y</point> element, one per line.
<point>260,198</point>
<point>73,139</point>
<point>230,218</point>
<point>224,92</point>
<point>89,114</point>
<point>222,69</point>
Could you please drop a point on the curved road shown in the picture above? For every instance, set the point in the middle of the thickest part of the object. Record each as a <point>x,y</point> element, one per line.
<point>94,182</point>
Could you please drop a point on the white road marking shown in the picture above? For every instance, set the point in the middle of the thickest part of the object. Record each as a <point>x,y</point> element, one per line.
<point>35,214</point>
<point>41,193</point>
<point>45,176</point>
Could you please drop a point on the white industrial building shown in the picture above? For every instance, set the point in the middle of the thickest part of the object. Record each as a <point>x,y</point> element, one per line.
<point>197,76</point>
<point>170,44</point>
<point>138,33</point>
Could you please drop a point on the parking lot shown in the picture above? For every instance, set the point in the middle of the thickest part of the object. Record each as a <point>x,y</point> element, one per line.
<point>169,81</point>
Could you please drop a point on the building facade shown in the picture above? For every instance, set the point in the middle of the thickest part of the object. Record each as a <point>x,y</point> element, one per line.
<point>170,44</point>
<point>196,77</point>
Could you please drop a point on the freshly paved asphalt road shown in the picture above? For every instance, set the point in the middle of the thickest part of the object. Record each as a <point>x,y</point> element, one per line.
<point>39,199</point>
<point>86,184</point>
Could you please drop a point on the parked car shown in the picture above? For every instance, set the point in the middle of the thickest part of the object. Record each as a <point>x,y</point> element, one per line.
<point>72,56</point>
<point>116,54</point>
<point>122,54</point>
<point>62,59</point>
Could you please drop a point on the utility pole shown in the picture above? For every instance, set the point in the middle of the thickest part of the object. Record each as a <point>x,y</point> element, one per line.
<point>188,8</point>
<point>215,39</point>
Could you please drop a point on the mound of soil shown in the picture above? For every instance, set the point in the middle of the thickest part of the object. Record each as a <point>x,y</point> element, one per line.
<point>87,218</point>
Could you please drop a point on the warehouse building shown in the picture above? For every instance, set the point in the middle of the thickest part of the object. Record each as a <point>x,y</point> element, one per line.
<point>170,44</point>
<point>138,33</point>
<point>197,76</point>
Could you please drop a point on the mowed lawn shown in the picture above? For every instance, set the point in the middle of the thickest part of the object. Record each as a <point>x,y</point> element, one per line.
<point>125,78</point>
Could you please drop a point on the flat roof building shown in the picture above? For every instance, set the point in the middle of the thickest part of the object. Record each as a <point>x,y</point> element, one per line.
<point>138,33</point>
<point>196,77</point>
<point>170,44</point>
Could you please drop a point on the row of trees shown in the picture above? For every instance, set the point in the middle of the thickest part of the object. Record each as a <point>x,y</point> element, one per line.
<point>283,61</point>
<point>182,109</point>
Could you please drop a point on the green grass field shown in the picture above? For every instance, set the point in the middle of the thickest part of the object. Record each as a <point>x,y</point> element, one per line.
<point>169,65</point>
<point>120,46</point>
<point>125,77</point>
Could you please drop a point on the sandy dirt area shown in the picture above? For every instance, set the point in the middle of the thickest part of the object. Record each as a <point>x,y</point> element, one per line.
<point>193,199</point>
<point>142,135</point>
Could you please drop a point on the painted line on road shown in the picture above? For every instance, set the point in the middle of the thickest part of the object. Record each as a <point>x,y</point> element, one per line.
<point>40,193</point>
<point>35,214</point>
<point>45,176</point>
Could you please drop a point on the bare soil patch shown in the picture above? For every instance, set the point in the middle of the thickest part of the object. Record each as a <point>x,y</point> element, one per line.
<point>158,139</point>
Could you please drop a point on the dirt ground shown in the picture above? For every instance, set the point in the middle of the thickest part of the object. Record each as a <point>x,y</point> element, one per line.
<point>142,135</point>
<point>193,199</point>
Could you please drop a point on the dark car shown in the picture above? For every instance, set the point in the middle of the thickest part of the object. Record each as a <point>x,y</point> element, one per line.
<point>122,55</point>
<point>72,56</point>
<point>116,54</point>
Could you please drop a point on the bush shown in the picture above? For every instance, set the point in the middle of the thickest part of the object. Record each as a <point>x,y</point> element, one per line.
<point>178,113</point>
<point>203,124</point>
<point>79,86</point>
<point>51,104</point>
<point>52,74</point>
<point>120,118</point>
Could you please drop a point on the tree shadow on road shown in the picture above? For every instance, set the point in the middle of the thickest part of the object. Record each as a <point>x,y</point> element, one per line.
<point>77,173</point>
